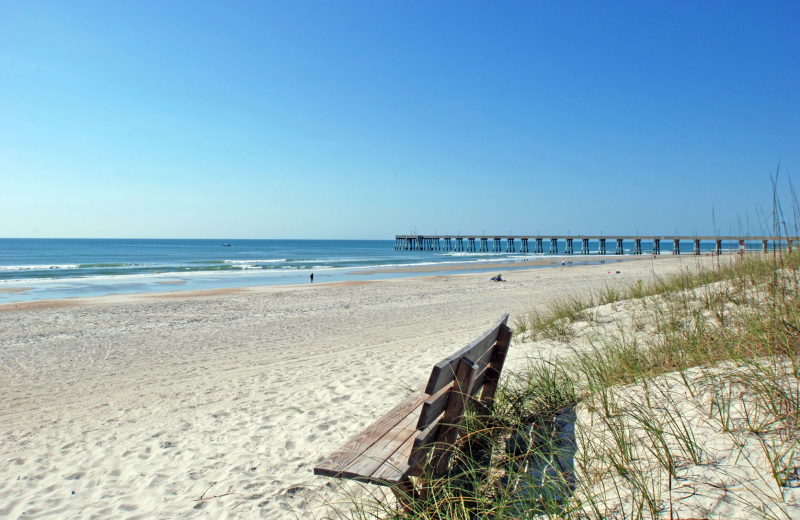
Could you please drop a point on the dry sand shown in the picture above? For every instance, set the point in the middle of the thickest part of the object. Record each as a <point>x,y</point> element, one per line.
<point>500,266</point>
<point>135,406</point>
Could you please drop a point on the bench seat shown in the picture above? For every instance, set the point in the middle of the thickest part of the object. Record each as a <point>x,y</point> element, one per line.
<point>380,454</point>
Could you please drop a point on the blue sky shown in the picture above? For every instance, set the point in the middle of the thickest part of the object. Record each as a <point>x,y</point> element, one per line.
<point>366,119</point>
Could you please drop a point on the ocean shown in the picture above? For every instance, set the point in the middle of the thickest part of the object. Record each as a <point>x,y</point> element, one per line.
<point>34,269</point>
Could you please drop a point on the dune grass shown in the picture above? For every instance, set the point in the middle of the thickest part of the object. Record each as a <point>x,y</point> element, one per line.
<point>675,399</point>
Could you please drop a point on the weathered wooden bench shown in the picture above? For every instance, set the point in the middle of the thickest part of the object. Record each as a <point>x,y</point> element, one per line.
<point>418,431</point>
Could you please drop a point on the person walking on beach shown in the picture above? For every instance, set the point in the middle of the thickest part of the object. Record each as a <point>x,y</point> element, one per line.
<point>312,277</point>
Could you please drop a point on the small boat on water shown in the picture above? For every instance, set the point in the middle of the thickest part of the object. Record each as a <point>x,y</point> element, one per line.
<point>226,245</point>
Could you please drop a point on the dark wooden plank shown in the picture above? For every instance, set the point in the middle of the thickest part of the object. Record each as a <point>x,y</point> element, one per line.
<point>433,407</point>
<point>344,456</point>
<point>496,366</point>
<point>453,415</point>
<point>486,358</point>
<point>444,371</point>
<point>483,368</point>
<point>480,377</point>
<point>382,450</point>
<point>424,441</point>
<point>397,468</point>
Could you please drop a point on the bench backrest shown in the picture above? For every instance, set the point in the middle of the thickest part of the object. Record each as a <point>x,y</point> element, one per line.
<point>455,381</point>
<point>391,449</point>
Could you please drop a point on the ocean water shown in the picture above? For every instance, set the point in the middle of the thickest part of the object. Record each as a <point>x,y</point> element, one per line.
<point>62,268</point>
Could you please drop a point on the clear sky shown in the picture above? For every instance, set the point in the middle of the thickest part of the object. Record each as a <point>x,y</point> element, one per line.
<point>302,119</point>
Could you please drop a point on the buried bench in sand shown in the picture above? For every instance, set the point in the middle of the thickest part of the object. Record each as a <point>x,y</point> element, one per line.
<point>398,445</point>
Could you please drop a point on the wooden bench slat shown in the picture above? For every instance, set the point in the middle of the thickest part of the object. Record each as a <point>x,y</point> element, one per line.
<point>433,407</point>
<point>424,440</point>
<point>374,457</point>
<point>492,375</point>
<point>480,377</point>
<point>397,467</point>
<point>483,366</point>
<point>339,461</point>
<point>444,371</point>
<point>486,358</point>
<point>453,414</point>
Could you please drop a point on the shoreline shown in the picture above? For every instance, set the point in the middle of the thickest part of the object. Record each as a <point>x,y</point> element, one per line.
<point>81,289</point>
<point>451,271</point>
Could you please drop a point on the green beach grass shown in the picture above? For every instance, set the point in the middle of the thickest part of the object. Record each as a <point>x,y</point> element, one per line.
<point>678,398</point>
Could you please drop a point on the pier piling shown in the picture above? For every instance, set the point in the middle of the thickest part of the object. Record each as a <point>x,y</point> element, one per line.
<point>472,244</point>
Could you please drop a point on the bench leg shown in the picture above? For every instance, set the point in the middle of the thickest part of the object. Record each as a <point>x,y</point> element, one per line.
<point>405,494</point>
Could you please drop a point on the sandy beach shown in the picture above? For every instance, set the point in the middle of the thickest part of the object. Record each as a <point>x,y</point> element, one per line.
<point>138,406</point>
<point>500,266</point>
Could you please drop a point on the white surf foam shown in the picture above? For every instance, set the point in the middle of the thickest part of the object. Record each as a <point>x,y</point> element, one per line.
<point>36,267</point>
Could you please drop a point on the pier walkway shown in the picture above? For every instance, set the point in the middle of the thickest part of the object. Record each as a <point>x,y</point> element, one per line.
<point>535,243</point>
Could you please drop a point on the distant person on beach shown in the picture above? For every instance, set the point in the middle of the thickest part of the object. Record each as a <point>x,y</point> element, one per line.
<point>312,277</point>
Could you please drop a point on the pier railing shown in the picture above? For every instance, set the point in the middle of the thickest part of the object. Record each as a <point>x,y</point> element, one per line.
<point>535,243</point>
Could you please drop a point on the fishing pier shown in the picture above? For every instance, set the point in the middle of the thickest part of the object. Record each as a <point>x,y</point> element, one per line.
<point>535,244</point>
